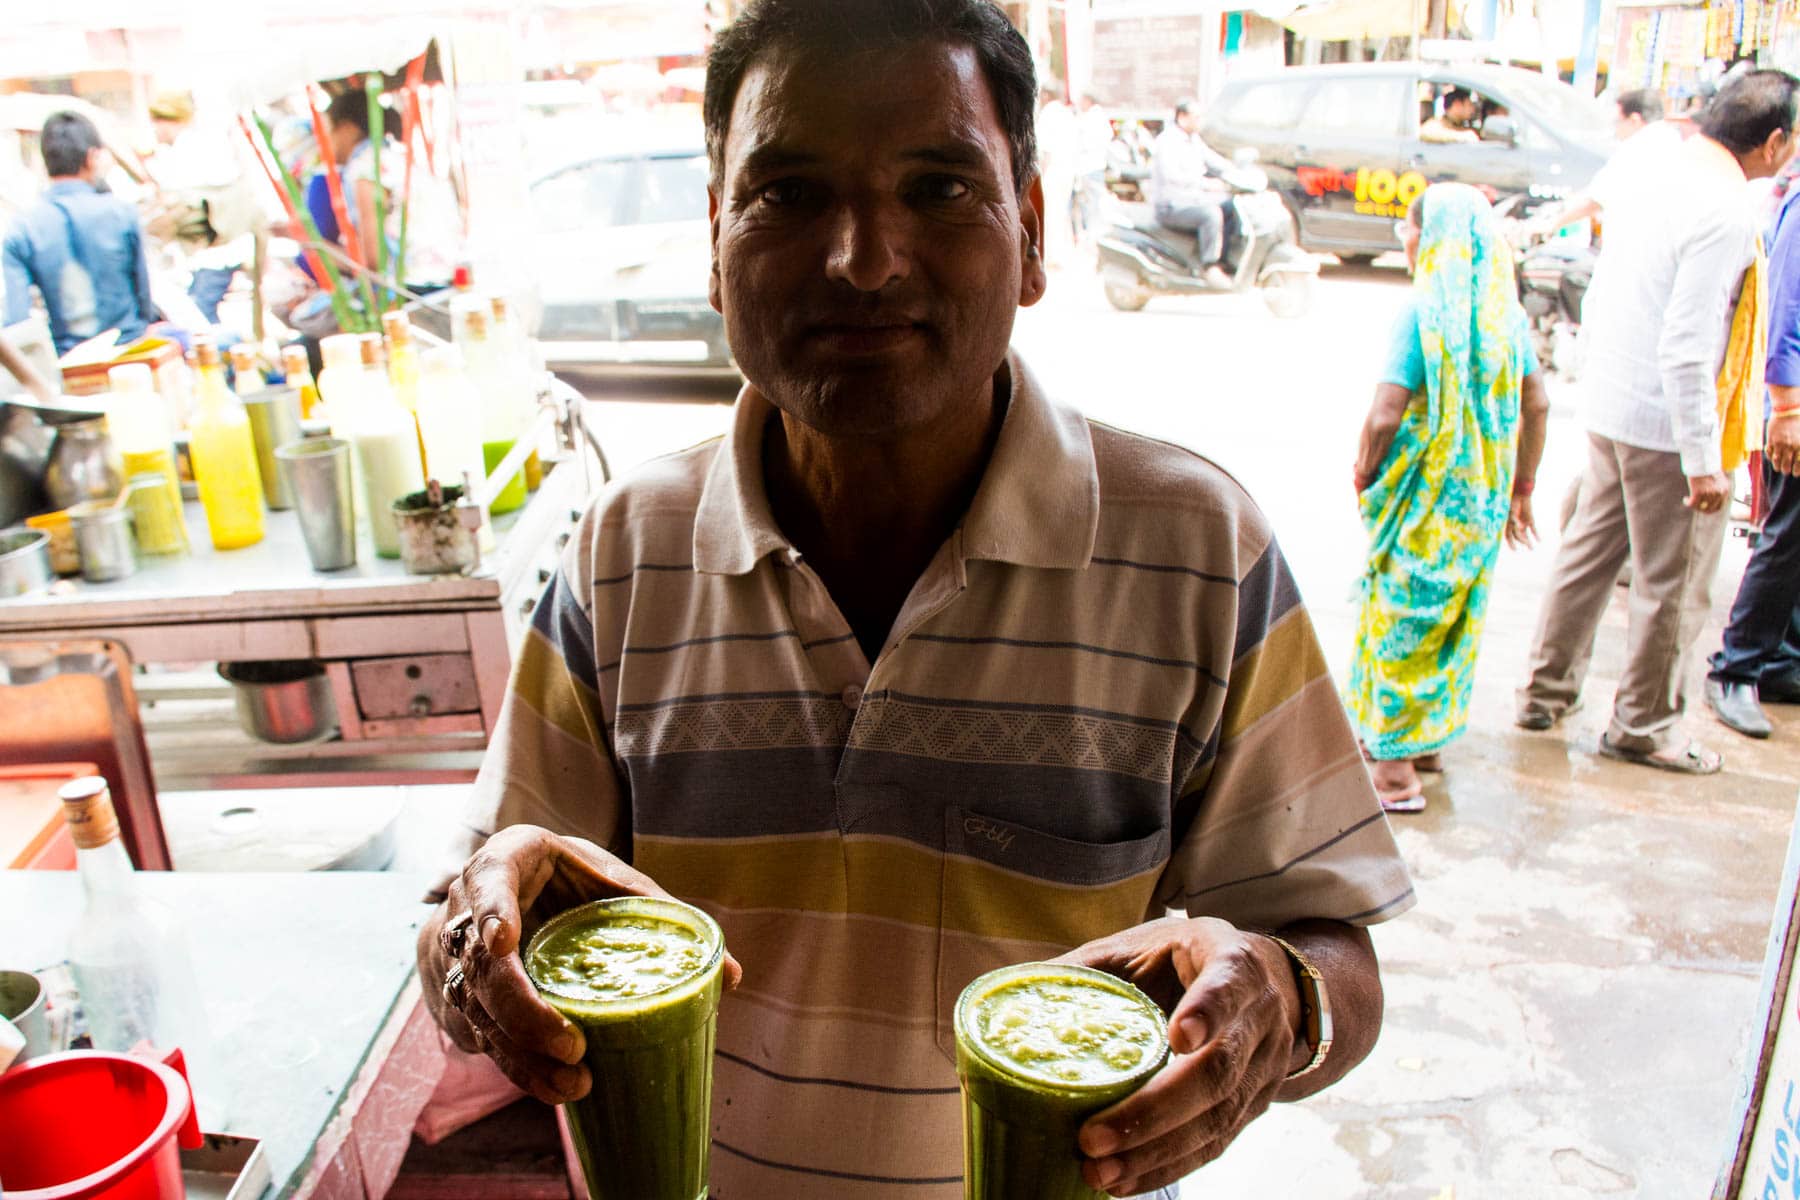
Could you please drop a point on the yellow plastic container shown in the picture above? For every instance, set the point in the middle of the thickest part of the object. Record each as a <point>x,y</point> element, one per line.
<point>224,457</point>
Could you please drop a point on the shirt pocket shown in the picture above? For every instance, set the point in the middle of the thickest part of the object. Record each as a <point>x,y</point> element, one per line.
<point>1012,894</point>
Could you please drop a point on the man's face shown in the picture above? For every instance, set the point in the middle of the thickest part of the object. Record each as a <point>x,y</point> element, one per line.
<point>1461,110</point>
<point>1625,125</point>
<point>166,131</point>
<point>346,136</point>
<point>1773,156</point>
<point>1189,121</point>
<point>869,249</point>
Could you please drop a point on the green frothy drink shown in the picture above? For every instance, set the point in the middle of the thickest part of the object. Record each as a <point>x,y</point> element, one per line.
<point>641,977</point>
<point>1040,1048</point>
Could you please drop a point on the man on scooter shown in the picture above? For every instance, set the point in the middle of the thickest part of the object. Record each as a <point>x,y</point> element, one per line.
<point>1185,192</point>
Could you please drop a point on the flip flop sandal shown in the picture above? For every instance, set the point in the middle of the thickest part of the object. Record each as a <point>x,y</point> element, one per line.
<point>1691,761</point>
<point>1411,800</point>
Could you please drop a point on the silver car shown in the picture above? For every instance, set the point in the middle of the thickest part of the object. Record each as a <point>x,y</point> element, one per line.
<point>623,256</point>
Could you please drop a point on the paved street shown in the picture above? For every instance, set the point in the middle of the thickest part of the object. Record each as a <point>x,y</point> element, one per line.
<point>1567,1004</point>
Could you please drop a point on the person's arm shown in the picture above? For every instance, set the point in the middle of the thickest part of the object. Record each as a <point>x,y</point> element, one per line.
<point>1781,443</point>
<point>547,779</point>
<point>22,370</point>
<point>18,280</point>
<point>1781,370</point>
<point>368,233</point>
<point>1534,423</point>
<point>1687,354</point>
<point>1286,838</point>
<point>1580,207</point>
<point>1378,431</point>
<point>140,272</point>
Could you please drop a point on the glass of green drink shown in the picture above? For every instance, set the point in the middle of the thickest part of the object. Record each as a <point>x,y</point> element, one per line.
<point>641,977</point>
<point>1040,1048</point>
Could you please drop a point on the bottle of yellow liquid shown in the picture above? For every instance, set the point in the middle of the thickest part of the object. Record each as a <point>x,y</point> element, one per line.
<point>224,456</point>
<point>500,417</point>
<point>299,377</point>
<point>403,365</point>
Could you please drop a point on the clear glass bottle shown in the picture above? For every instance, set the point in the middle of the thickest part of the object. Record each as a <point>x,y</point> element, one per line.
<point>298,370</point>
<point>130,957</point>
<point>500,427</point>
<point>386,439</point>
<point>450,424</point>
<point>515,352</point>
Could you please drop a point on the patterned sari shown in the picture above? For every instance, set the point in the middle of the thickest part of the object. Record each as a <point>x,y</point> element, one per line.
<point>1437,510</point>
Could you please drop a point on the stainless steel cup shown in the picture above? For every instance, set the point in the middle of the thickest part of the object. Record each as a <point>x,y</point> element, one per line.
<point>103,535</point>
<point>22,1003</point>
<point>317,474</point>
<point>274,421</point>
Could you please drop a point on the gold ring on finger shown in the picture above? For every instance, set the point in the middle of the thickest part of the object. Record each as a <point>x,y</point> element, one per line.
<point>455,932</point>
<point>453,986</point>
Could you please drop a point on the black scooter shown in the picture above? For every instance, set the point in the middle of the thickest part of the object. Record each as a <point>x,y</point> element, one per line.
<point>1140,259</point>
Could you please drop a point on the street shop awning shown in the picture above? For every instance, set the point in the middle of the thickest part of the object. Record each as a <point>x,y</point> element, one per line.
<point>1342,20</point>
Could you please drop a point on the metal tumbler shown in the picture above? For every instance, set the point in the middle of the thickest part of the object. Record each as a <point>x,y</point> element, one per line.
<point>317,474</point>
<point>274,421</point>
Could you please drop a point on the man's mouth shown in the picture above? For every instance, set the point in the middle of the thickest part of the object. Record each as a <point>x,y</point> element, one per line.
<point>865,336</point>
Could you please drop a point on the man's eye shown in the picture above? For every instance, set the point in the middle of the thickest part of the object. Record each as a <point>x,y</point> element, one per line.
<point>782,193</point>
<point>942,189</point>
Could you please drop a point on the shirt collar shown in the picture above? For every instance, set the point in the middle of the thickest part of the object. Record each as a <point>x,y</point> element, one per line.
<point>64,187</point>
<point>1038,504</point>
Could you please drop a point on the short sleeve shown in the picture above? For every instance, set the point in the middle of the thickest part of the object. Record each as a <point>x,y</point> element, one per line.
<point>1286,825</point>
<point>1783,365</point>
<point>548,762</point>
<point>1405,365</point>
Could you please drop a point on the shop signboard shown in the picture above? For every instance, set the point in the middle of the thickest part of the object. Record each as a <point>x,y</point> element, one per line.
<point>1765,1157</point>
<point>1149,61</point>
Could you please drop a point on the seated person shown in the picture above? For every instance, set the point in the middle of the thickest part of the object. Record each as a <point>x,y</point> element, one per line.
<point>1456,121</point>
<point>1183,189</point>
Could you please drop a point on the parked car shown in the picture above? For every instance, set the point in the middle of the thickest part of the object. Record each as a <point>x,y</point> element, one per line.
<point>1341,143</point>
<point>622,248</point>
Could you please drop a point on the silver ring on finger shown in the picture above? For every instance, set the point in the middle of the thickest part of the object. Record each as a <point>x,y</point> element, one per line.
<point>453,986</point>
<point>455,932</point>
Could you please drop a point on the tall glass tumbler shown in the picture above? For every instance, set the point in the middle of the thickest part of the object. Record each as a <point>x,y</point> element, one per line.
<point>274,422</point>
<point>1040,1048</point>
<point>641,977</point>
<point>317,474</point>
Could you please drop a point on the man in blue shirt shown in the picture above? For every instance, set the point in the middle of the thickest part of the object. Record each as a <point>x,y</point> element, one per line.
<point>1759,662</point>
<point>80,247</point>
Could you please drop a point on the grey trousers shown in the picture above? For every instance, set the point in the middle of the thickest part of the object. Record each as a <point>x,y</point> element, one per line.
<point>1630,510</point>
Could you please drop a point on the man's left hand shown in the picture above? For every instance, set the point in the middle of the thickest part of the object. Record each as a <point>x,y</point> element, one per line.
<point>1234,1020</point>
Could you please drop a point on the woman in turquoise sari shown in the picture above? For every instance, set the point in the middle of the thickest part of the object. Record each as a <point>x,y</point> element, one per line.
<point>1445,470</point>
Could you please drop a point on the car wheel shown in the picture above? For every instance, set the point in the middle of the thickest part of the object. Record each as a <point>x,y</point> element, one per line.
<point>1289,294</point>
<point>1124,291</point>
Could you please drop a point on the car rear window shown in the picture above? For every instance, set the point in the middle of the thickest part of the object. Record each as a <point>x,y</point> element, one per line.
<point>1358,108</point>
<point>1273,105</point>
<point>583,197</point>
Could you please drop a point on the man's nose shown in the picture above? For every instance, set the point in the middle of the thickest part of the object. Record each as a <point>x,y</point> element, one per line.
<point>869,246</point>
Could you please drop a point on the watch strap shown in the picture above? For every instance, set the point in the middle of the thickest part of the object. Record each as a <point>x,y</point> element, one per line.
<point>1315,1006</point>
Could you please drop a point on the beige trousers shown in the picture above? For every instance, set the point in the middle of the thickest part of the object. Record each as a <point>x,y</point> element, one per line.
<point>1630,510</point>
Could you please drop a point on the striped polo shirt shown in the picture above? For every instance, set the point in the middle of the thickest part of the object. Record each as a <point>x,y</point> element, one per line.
<point>1102,700</point>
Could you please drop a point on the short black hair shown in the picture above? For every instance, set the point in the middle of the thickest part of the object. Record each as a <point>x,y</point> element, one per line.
<point>848,26</point>
<point>1185,105</point>
<point>1641,102</point>
<point>1457,93</point>
<point>65,143</point>
<point>351,106</point>
<point>1749,109</point>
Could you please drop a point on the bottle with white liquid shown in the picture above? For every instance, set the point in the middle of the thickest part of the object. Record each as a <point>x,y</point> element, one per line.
<point>386,442</point>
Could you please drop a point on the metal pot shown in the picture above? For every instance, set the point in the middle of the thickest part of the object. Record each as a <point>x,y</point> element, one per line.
<point>282,702</point>
<point>27,435</point>
<point>84,464</point>
<point>24,562</point>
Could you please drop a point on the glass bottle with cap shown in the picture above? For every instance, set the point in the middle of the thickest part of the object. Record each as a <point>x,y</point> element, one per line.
<point>339,378</point>
<point>129,955</point>
<point>515,352</point>
<point>298,369</point>
<point>224,456</point>
<point>386,441</point>
<point>450,424</point>
<point>500,428</point>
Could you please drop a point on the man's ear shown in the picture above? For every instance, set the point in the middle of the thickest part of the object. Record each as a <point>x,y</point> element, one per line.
<point>1033,279</point>
<point>714,293</point>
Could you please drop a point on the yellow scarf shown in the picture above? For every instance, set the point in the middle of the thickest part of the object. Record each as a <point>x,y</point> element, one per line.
<point>1741,375</point>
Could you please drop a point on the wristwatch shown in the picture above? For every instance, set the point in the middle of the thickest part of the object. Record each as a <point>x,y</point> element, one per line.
<point>1315,1007</point>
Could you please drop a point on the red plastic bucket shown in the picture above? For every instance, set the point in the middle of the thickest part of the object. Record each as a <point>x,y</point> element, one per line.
<point>85,1125</point>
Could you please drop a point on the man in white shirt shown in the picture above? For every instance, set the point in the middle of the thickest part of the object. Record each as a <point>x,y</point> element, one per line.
<point>1647,143</point>
<point>1656,321</point>
<point>1184,190</point>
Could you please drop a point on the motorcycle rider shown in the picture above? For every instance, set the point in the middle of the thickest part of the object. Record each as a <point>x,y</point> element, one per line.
<point>1185,192</point>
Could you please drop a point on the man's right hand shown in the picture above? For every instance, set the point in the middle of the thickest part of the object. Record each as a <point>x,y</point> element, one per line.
<point>523,876</point>
<point>1708,493</point>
